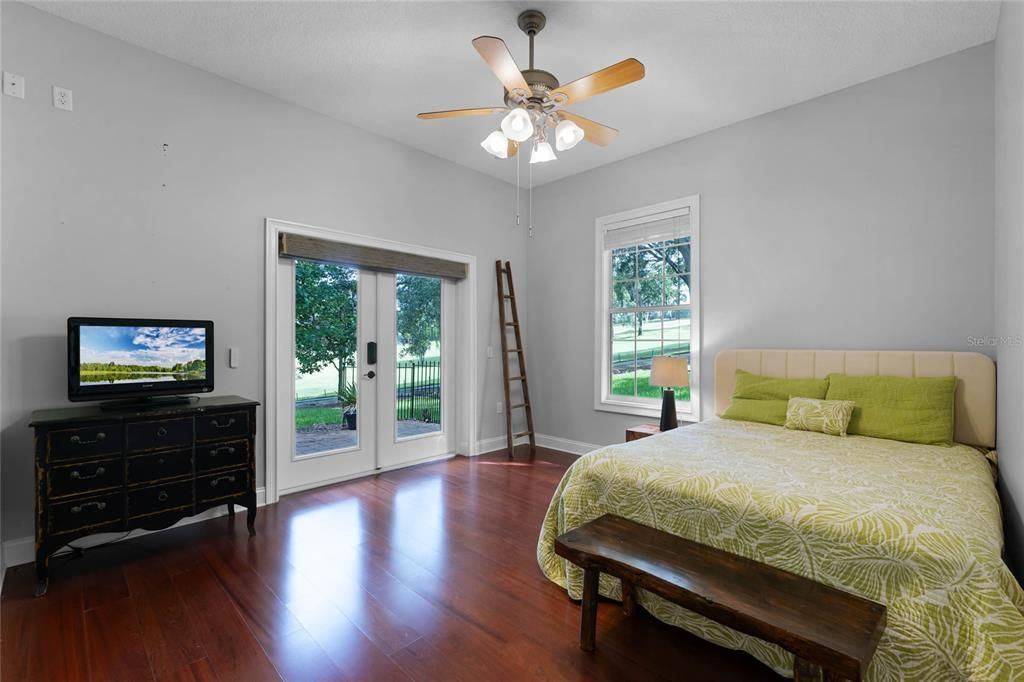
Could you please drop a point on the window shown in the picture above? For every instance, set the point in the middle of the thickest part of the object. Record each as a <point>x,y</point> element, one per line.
<point>647,305</point>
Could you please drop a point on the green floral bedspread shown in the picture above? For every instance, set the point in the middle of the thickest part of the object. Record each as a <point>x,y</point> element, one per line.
<point>915,527</point>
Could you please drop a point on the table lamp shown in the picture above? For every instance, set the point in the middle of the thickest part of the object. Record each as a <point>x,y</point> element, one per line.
<point>669,373</point>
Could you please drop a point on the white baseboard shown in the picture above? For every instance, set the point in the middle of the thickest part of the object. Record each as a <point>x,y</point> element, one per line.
<point>490,445</point>
<point>23,550</point>
<point>362,474</point>
<point>573,447</point>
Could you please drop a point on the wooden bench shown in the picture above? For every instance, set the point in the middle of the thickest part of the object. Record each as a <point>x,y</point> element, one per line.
<point>832,633</point>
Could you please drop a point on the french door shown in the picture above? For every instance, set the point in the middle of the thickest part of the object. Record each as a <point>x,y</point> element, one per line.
<point>365,374</point>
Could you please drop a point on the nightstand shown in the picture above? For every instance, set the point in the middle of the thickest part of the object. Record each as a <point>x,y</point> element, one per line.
<point>642,431</point>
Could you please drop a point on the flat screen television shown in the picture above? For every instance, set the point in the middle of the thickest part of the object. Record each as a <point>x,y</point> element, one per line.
<point>138,359</point>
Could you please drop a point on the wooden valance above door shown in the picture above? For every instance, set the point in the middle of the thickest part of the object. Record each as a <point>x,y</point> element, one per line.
<point>366,257</point>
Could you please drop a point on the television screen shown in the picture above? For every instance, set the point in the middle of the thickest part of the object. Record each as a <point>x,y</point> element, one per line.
<point>131,355</point>
<point>134,358</point>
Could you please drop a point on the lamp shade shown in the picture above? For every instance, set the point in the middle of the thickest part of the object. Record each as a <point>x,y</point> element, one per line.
<point>669,372</point>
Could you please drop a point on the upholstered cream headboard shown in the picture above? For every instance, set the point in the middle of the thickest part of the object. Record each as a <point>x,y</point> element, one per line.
<point>975,401</point>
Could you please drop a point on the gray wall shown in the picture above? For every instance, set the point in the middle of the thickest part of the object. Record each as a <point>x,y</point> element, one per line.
<point>1009,282</point>
<point>861,219</point>
<point>98,220</point>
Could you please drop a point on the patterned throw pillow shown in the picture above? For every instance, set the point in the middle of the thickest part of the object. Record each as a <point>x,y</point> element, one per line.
<point>825,416</point>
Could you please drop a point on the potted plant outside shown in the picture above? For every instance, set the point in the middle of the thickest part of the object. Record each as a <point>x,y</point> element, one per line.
<point>349,399</point>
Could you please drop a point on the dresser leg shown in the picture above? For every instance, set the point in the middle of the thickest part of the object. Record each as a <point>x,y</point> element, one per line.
<point>231,508</point>
<point>250,517</point>
<point>42,571</point>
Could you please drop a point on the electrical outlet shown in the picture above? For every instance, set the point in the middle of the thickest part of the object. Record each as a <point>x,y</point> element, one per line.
<point>61,98</point>
<point>490,352</point>
<point>500,408</point>
<point>14,85</point>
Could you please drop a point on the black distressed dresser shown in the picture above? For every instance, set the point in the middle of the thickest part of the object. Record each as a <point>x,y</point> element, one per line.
<point>100,470</point>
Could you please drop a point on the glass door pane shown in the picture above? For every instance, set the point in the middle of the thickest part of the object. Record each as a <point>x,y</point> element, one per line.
<point>418,357</point>
<point>326,358</point>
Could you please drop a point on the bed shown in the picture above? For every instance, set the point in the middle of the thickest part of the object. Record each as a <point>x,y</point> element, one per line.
<point>915,527</point>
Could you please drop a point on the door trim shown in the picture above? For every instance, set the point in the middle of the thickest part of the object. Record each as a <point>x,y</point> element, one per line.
<point>465,351</point>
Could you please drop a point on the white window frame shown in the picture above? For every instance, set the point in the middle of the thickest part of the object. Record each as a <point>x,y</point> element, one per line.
<point>645,407</point>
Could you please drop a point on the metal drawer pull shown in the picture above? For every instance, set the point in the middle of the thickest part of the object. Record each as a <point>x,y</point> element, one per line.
<point>229,479</point>
<point>77,474</point>
<point>161,432</point>
<point>228,449</point>
<point>100,506</point>
<point>162,496</point>
<point>77,440</point>
<point>216,423</point>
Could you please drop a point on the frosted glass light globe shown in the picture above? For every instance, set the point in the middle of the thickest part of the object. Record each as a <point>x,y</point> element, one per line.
<point>542,153</point>
<point>567,135</point>
<point>496,144</point>
<point>517,125</point>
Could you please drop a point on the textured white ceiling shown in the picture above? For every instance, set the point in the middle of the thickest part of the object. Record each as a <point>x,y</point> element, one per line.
<point>376,64</point>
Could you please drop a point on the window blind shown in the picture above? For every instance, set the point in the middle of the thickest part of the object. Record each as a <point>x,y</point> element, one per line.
<point>367,257</point>
<point>646,230</point>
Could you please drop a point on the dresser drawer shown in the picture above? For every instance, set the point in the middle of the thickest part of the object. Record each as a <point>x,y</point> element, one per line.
<point>222,455</point>
<point>83,442</point>
<point>84,477</point>
<point>88,512</point>
<point>222,426</point>
<point>224,484</point>
<point>158,498</point>
<point>158,434</point>
<point>158,466</point>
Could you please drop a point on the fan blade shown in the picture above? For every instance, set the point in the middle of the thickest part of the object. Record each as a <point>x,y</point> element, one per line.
<point>615,76</point>
<point>458,113</point>
<point>593,132</point>
<point>496,54</point>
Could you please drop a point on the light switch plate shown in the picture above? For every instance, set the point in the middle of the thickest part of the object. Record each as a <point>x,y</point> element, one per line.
<point>233,358</point>
<point>61,98</point>
<point>14,85</point>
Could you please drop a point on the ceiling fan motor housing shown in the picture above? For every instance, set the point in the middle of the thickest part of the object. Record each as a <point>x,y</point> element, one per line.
<point>541,83</point>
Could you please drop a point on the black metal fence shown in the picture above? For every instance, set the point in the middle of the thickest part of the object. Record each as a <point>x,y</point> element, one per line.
<point>418,391</point>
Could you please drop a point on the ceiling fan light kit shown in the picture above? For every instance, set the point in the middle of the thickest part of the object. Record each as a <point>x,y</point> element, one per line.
<point>517,125</point>
<point>567,135</point>
<point>534,99</point>
<point>496,144</point>
<point>542,152</point>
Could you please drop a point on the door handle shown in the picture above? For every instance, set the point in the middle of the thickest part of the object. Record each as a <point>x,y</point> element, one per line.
<point>371,374</point>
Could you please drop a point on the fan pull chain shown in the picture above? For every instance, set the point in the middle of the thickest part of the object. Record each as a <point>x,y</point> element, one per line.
<point>517,190</point>
<point>530,233</point>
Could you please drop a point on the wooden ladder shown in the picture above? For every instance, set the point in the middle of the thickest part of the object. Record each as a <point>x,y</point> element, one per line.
<point>504,275</point>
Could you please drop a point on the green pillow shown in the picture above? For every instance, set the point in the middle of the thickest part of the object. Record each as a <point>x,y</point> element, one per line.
<point>831,417</point>
<point>915,410</point>
<point>764,399</point>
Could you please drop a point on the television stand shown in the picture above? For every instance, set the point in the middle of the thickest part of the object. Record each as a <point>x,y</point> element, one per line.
<point>148,403</point>
<point>115,470</point>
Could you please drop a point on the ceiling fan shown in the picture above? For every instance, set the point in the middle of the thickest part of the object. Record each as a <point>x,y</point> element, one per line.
<point>534,97</point>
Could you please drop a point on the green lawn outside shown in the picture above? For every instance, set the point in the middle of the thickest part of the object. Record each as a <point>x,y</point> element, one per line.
<point>308,417</point>
<point>325,382</point>
<point>622,384</point>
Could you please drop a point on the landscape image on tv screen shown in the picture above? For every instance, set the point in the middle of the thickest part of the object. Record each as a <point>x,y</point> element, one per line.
<point>125,355</point>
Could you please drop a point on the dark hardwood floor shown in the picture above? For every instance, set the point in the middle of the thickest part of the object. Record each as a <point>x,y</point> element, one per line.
<point>428,573</point>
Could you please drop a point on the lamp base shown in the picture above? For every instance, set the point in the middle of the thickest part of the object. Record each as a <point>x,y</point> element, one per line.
<point>668,410</point>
